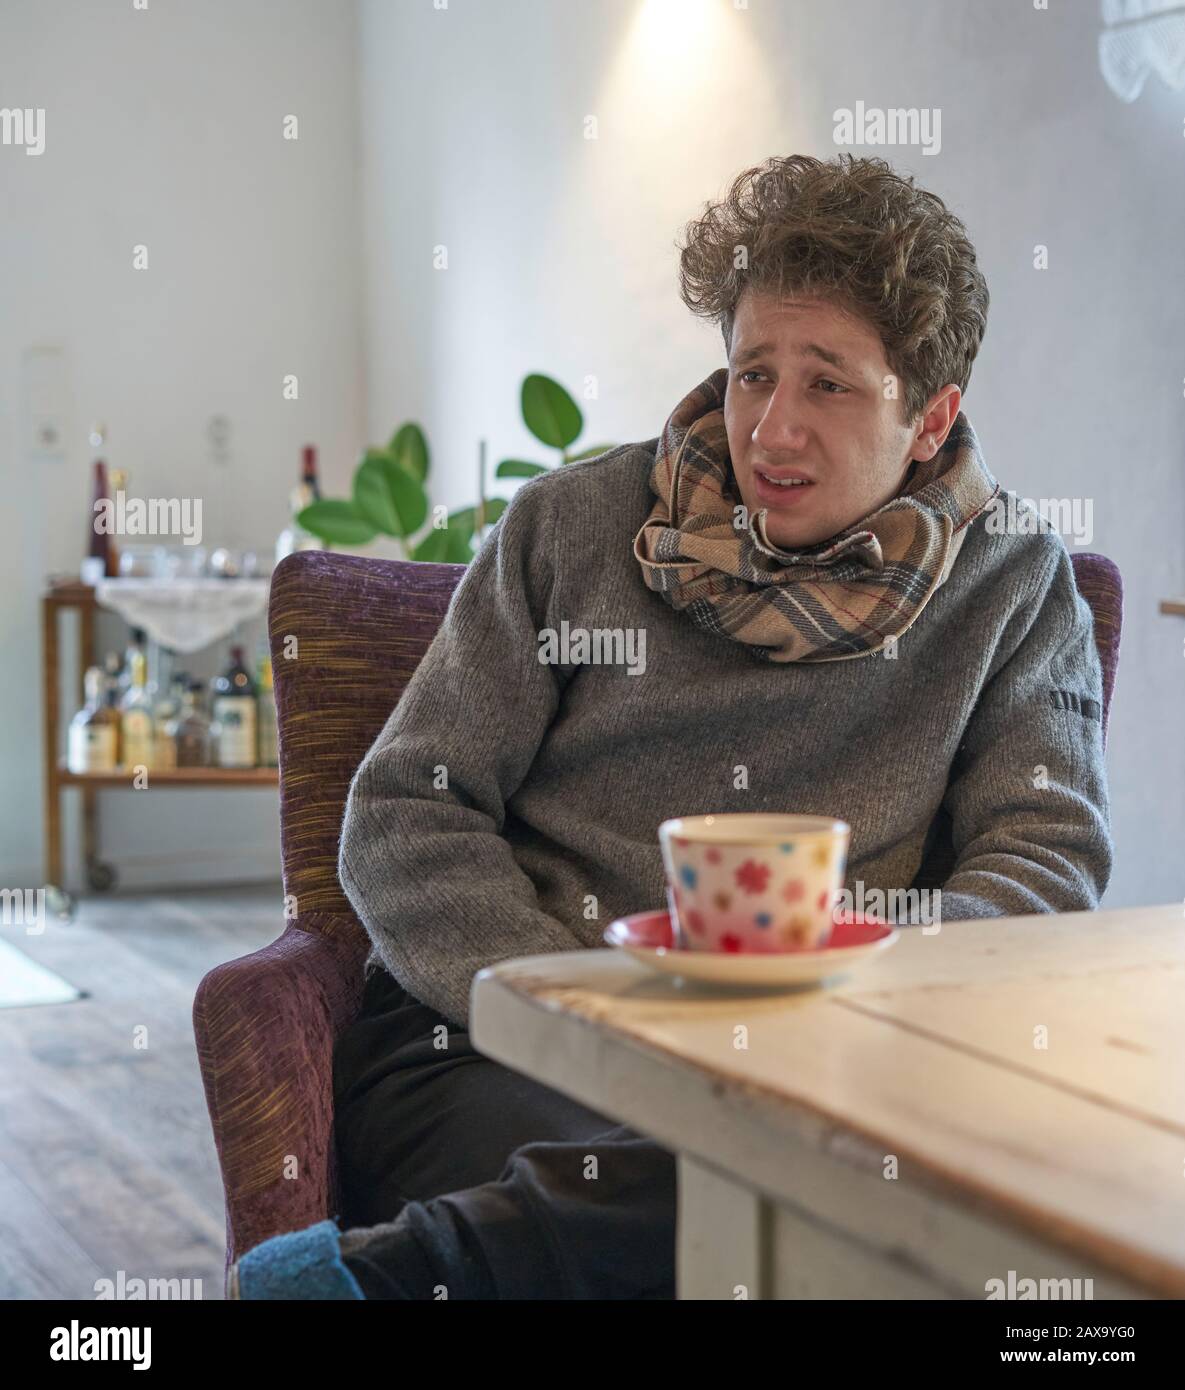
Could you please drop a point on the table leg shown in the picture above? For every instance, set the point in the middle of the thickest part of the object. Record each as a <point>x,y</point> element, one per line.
<point>724,1236</point>
<point>90,837</point>
<point>52,809</point>
<point>86,647</point>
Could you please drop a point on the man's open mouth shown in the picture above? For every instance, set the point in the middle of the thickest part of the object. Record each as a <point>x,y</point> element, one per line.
<point>786,481</point>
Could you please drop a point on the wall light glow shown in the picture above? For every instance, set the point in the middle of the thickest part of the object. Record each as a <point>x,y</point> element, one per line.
<point>675,27</point>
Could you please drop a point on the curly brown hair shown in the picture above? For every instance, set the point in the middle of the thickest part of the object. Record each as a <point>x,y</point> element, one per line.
<point>854,233</point>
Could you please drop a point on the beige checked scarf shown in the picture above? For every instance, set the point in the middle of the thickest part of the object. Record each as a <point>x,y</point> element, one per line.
<point>845,597</point>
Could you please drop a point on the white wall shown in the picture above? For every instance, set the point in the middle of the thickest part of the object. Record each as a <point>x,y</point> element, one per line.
<point>560,256</point>
<point>163,127</point>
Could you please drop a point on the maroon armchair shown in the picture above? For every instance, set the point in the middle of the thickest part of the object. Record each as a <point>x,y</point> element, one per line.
<point>346,635</point>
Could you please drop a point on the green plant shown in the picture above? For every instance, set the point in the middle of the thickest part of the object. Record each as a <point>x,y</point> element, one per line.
<point>389,498</point>
<point>554,418</point>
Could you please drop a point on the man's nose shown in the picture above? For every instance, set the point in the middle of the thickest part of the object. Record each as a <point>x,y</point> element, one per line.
<point>780,430</point>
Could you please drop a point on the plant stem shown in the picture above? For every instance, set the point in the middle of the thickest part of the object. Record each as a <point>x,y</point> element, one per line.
<point>481,486</point>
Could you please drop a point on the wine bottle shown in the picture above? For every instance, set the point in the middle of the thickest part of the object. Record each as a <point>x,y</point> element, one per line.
<point>308,490</point>
<point>234,711</point>
<point>100,544</point>
<point>269,750</point>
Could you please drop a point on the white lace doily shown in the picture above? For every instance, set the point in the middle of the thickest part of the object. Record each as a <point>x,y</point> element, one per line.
<point>184,615</point>
<point>1147,36</point>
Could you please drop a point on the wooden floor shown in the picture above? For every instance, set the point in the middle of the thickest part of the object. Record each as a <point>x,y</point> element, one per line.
<point>107,1162</point>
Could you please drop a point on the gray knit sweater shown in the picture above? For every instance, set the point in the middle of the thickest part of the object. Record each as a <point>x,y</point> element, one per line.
<point>511,805</point>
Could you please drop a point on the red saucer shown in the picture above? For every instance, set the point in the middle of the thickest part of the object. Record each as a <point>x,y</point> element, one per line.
<point>653,931</point>
<point>857,938</point>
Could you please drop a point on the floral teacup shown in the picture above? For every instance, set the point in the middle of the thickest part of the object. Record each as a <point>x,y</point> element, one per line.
<point>753,882</point>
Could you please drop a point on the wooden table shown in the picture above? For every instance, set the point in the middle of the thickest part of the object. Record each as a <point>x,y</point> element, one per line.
<point>1007,1094</point>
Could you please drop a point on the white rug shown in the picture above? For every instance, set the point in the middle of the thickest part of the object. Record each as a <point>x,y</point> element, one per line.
<point>23,981</point>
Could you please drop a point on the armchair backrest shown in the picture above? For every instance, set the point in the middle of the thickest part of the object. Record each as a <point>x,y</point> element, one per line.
<point>1101,585</point>
<point>346,634</point>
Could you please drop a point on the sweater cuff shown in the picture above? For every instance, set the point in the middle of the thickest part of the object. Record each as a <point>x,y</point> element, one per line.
<point>298,1265</point>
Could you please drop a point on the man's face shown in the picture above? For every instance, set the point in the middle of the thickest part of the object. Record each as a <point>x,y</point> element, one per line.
<point>806,395</point>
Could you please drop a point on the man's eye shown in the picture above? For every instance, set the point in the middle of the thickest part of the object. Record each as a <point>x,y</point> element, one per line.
<point>751,372</point>
<point>824,381</point>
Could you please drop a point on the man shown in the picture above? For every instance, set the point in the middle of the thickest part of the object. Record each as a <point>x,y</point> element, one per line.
<point>833,625</point>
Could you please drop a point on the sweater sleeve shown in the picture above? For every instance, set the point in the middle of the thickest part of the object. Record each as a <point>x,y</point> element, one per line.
<point>1027,793</point>
<point>422,857</point>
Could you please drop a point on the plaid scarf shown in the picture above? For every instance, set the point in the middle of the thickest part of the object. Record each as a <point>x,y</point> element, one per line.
<point>845,597</point>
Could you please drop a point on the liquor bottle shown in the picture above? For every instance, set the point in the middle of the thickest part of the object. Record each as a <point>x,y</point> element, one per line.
<point>189,730</point>
<point>164,710</point>
<point>269,748</point>
<point>234,711</point>
<point>100,544</point>
<point>308,490</point>
<point>111,701</point>
<point>134,648</point>
<point>113,684</point>
<point>136,715</point>
<point>93,740</point>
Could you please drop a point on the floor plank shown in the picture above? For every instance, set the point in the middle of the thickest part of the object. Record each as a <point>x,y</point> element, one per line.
<point>107,1162</point>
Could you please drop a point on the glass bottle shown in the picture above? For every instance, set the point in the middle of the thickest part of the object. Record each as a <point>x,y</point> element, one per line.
<point>269,748</point>
<point>189,730</point>
<point>308,490</point>
<point>234,711</point>
<point>136,715</point>
<point>165,709</point>
<point>92,743</point>
<point>135,646</point>
<point>100,544</point>
<point>112,676</point>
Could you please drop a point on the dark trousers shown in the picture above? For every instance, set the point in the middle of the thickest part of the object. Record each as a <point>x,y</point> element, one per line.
<point>462,1178</point>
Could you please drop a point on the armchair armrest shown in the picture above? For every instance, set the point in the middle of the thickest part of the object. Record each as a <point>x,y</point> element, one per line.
<point>265,1026</point>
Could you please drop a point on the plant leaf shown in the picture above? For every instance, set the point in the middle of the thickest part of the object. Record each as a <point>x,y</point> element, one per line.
<point>519,468</point>
<point>409,448</point>
<point>338,522</point>
<point>451,544</point>
<point>459,549</point>
<point>550,413</point>
<point>590,453</point>
<point>388,496</point>
<point>466,518</point>
<point>463,520</point>
<point>433,546</point>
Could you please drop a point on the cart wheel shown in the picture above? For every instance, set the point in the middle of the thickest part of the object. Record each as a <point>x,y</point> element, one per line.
<point>100,876</point>
<point>59,902</point>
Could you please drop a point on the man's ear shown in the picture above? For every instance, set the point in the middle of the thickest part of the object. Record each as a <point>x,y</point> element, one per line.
<point>935,424</point>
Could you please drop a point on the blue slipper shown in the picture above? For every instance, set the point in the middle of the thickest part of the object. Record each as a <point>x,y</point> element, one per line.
<point>298,1265</point>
